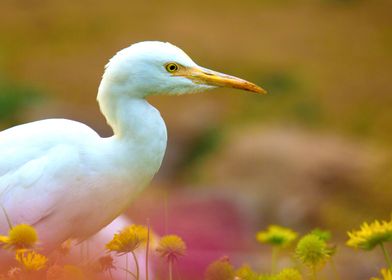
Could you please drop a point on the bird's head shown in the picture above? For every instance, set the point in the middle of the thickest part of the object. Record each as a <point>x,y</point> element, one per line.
<point>151,68</point>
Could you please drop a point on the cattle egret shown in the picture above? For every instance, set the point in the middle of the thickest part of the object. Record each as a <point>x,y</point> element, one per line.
<point>68,182</point>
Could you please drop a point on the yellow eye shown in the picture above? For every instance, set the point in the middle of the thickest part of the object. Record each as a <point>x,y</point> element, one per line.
<point>171,67</point>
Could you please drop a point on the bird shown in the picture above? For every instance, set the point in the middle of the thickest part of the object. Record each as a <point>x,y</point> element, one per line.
<point>67,181</point>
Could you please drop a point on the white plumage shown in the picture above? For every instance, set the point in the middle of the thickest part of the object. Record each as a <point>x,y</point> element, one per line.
<point>63,178</point>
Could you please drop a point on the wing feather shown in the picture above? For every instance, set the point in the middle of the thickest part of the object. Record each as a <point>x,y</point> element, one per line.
<point>31,192</point>
<point>39,162</point>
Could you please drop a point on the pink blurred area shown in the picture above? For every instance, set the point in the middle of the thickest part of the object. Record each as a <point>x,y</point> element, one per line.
<point>211,226</point>
<point>203,220</point>
<point>94,248</point>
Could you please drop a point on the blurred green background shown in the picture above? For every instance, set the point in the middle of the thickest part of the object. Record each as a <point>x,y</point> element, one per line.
<point>315,152</point>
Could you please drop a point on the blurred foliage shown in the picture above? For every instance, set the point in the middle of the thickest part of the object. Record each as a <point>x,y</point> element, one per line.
<point>343,2</point>
<point>288,100</point>
<point>205,144</point>
<point>14,99</point>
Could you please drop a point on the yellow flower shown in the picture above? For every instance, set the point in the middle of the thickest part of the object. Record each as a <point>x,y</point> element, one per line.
<point>322,234</point>
<point>245,272</point>
<point>386,274</point>
<point>370,235</point>
<point>312,250</point>
<point>128,240</point>
<point>276,236</point>
<point>3,239</point>
<point>267,277</point>
<point>31,260</point>
<point>289,274</point>
<point>171,247</point>
<point>20,237</point>
<point>220,270</point>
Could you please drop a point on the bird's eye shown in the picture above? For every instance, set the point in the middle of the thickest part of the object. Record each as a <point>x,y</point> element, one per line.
<point>171,67</point>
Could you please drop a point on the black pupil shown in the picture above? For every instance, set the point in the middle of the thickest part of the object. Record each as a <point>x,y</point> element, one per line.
<point>172,67</point>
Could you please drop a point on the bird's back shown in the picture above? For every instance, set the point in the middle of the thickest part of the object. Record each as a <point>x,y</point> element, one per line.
<point>38,162</point>
<point>23,143</point>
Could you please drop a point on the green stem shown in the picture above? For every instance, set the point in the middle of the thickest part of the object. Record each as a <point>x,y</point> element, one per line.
<point>110,274</point>
<point>170,270</point>
<point>126,267</point>
<point>314,273</point>
<point>128,272</point>
<point>387,257</point>
<point>7,217</point>
<point>136,264</point>
<point>335,271</point>
<point>166,212</point>
<point>82,253</point>
<point>147,247</point>
<point>274,259</point>
<point>87,250</point>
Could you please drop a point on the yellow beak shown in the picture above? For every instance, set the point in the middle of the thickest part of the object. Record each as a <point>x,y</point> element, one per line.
<point>209,77</point>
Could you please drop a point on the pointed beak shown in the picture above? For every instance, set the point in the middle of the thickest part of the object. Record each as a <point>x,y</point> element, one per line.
<point>205,76</point>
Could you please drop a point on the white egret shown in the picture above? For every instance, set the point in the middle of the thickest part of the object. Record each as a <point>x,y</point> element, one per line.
<point>64,179</point>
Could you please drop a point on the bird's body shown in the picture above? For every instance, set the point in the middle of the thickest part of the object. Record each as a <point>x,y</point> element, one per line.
<point>65,163</point>
<point>63,178</point>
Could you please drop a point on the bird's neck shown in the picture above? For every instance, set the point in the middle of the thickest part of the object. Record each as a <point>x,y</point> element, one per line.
<point>139,142</point>
<point>131,118</point>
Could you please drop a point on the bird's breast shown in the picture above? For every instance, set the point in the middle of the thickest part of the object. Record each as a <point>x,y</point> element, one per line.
<point>117,180</point>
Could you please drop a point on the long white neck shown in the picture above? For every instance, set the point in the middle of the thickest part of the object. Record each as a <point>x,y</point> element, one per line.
<point>129,115</point>
<point>138,145</point>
